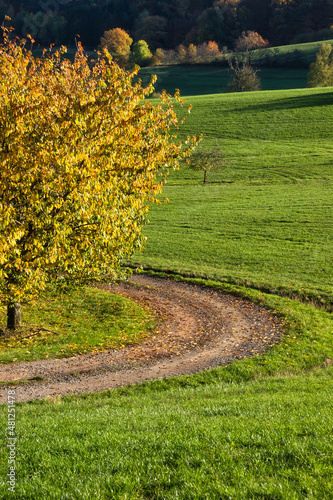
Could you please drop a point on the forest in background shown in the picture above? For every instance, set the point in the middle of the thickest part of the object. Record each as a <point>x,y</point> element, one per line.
<point>168,23</point>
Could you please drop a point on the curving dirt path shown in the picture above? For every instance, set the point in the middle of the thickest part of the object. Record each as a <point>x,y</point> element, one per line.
<point>199,328</point>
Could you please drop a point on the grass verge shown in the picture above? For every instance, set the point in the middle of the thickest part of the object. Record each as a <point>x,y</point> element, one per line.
<point>76,322</point>
<point>263,439</point>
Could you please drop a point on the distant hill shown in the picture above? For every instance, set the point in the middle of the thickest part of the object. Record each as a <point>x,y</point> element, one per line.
<point>299,55</point>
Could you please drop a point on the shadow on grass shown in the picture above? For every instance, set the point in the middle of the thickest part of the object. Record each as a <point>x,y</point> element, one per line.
<point>303,101</point>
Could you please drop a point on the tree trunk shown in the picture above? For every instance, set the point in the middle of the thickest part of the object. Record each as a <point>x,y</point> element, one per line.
<point>14,316</point>
<point>205,176</point>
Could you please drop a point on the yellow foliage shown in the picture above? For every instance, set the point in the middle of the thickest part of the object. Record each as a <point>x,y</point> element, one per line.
<point>82,152</point>
<point>321,71</point>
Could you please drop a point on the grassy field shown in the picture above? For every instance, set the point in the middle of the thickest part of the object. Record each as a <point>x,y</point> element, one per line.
<point>259,428</point>
<point>201,80</point>
<point>284,53</point>
<point>284,67</point>
<point>266,439</point>
<point>265,219</point>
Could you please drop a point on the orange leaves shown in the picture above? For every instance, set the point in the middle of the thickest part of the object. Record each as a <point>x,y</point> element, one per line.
<point>118,43</point>
<point>250,40</point>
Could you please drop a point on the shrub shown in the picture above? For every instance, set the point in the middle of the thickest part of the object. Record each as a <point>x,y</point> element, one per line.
<point>321,71</point>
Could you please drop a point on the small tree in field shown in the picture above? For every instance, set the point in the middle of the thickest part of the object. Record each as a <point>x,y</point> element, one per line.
<point>206,160</point>
<point>321,71</point>
<point>82,151</point>
<point>244,77</point>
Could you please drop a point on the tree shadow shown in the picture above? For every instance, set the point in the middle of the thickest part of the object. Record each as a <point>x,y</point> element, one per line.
<point>304,101</point>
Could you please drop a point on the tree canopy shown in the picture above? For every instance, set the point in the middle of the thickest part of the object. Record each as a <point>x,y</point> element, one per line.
<point>207,159</point>
<point>321,71</point>
<point>168,23</point>
<point>141,54</point>
<point>250,40</point>
<point>82,152</point>
<point>118,43</point>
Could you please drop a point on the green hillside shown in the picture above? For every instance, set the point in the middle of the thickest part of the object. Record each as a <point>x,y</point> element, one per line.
<point>297,54</point>
<point>265,439</point>
<point>265,219</point>
<point>201,80</point>
<point>280,68</point>
<point>260,427</point>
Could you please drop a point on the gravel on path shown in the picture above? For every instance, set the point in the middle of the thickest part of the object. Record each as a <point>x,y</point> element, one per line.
<point>198,328</point>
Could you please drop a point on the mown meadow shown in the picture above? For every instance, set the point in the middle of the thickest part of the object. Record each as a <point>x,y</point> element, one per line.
<point>265,219</point>
<point>202,80</point>
<point>259,428</point>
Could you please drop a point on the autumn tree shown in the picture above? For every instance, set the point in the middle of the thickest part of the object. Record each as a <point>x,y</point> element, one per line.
<point>204,53</point>
<point>208,51</point>
<point>82,152</point>
<point>250,40</point>
<point>321,71</point>
<point>181,54</point>
<point>158,57</point>
<point>118,43</point>
<point>192,53</point>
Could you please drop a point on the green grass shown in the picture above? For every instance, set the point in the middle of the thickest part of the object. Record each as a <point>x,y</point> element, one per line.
<point>284,67</point>
<point>307,51</point>
<point>86,320</point>
<point>200,80</point>
<point>269,438</point>
<point>265,219</point>
<point>259,428</point>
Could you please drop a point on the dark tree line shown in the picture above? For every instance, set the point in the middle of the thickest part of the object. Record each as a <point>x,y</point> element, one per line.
<point>169,23</point>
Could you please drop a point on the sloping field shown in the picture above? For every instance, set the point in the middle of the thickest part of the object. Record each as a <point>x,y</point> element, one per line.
<point>304,53</point>
<point>265,220</point>
<point>200,80</point>
<point>283,67</point>
<point>258,428</point>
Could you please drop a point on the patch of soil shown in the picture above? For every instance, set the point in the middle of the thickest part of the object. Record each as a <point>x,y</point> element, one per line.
<point>199,328</point>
